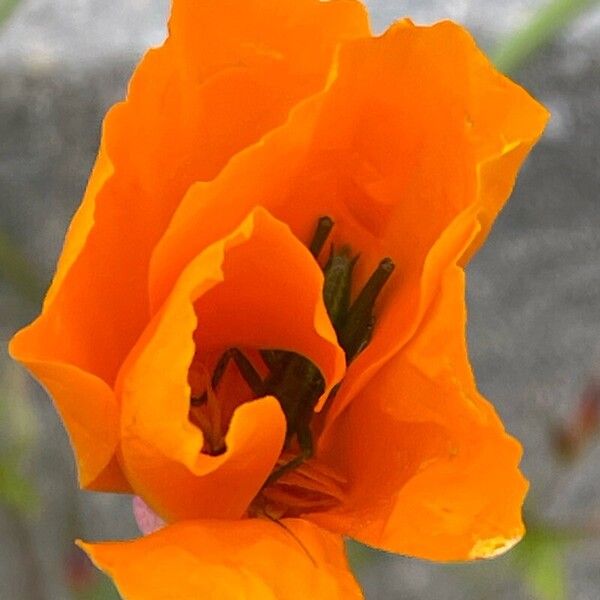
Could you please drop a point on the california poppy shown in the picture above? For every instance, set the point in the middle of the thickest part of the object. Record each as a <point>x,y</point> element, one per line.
<point>257,321</point>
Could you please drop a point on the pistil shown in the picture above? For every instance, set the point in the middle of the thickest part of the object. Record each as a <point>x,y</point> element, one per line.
<point>293,379</point>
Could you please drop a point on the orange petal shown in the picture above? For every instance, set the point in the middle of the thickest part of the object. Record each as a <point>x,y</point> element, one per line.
<point>88,408</point>
<point>441,136</point>
<point>414,129</point>
<point>229,560</point>
<point>450,248</point>
<point>228,73</point>
<point>432,472</point>
<point>257,288</point>
<point>245,65</point>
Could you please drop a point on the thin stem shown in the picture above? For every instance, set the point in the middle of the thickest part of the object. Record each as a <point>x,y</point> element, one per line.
<point>545,25</point>
<point>6,8</point>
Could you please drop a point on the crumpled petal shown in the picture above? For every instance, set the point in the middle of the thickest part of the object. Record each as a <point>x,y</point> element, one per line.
<point>414,129</point>
<point>411,142</point>
<point>257,288</point>
<point>431,471</point>
<point>229,560</point>
<point>169,133</point>
<point>228,73</point>
<point>441,136</point>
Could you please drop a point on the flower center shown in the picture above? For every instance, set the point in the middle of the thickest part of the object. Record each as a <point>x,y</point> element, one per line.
<point>291,378</point>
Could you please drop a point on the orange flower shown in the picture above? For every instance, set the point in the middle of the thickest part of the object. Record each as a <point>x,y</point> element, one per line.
<point>251,122</point>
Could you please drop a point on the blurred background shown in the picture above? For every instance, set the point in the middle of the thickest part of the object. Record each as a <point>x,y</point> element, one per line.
<point>534,292</point>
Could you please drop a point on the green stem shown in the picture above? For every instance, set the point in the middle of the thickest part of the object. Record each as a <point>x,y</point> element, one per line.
<point>17,270</point>
<point>6,8</point>
<point>517,48</point>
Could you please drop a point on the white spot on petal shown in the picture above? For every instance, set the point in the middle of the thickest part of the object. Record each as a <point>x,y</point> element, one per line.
<point>493,547</point>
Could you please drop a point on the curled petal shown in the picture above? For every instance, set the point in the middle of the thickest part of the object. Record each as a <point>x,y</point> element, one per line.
<point>432,472</point>
<point>221,300</point>
<point>440,138</point>
<point>178,481</point>
<point>88,408</point>
<point>414,130</point>
<point>255,558</point>
<point>217,84</point>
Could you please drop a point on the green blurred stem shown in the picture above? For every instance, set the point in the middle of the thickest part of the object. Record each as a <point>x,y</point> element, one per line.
<point>6,8</point>
<point>516,49</point>
<point>17,270</point>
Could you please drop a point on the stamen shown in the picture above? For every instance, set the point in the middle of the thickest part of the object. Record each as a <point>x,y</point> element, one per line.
<point>293,379</point>
<point>305,441</point>
<point>250,374</point>
<point>324,227</point>
<point>273,358</point>
<point>207,417</point>
<point>358,327</point>
<point>337,285</point>
<point>297,386</point>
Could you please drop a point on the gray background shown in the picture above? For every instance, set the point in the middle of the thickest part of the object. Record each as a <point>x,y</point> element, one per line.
<point>534,289</point>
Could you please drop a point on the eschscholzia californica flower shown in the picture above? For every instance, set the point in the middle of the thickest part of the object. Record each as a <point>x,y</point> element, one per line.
<point>257,324</point>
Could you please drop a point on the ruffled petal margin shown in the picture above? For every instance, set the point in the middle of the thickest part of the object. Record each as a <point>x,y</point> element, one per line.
<point>431,471</point>
<point>415,128</point>
<point>257,288</point>
<point>216,85</point>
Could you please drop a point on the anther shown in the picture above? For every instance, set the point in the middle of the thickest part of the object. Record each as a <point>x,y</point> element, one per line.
<point>293,379</point>
<point>337,285</point>
<point>358,327</point>
<point>324,227</point>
